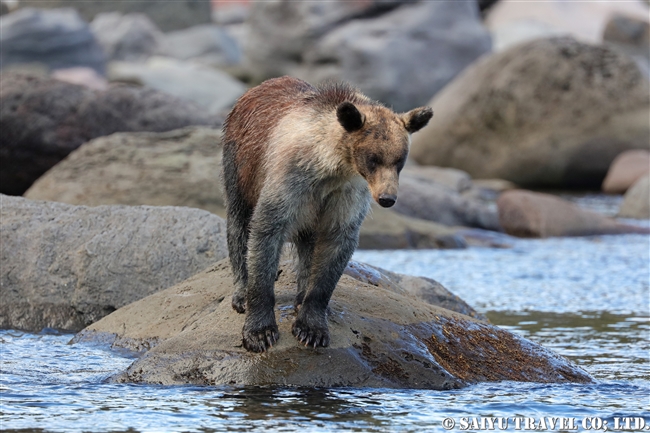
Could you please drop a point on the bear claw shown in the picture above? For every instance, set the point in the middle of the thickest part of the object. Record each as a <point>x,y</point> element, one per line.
<point>311,335</point>
<point>261,340</point>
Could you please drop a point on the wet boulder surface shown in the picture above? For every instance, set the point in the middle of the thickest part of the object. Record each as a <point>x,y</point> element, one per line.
<point>189,334</point>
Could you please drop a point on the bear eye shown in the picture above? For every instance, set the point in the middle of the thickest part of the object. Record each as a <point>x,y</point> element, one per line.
<point>400,164</point>
<point>373,162</point>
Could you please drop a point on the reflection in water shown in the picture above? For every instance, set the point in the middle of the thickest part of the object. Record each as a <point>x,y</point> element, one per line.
<point>288,406</point>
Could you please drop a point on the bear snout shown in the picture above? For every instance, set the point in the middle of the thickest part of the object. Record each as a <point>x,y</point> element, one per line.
<point>386,200</point>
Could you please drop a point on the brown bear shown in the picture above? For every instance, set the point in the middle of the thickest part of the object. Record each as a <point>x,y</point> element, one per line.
<point>300,164</point>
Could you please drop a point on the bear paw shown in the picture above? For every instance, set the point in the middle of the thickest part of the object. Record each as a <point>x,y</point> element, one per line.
<point>311,333</point>
<point>260,338</point>
<point>239,303</point>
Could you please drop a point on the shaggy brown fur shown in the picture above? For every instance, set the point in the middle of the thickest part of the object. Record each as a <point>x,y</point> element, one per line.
<point>300,164</point>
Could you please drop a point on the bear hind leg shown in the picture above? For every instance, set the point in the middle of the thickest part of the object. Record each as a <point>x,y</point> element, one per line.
<point>267,233</point>
<point>237,236</point>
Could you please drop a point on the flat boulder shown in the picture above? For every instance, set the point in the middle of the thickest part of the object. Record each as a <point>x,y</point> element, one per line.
<point>547,113</point>
<point>636,202</point>
<point>65,267</point>
<point>537,215</point>
<point>42,120</point>
<point>175,168</point>
<point>189,334</point>
<point>626,169</point>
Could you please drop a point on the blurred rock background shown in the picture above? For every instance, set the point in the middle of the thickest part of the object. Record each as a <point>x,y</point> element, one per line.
<point>121,102</point>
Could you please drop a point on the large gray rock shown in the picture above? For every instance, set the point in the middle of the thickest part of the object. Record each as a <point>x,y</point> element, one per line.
<point>405,56</point>
<point>636,203</point>
<point>167,15</point>
<point>42,120</point>
<point>537,215</point>
<point>551,113</point>
<point>280,32</point>
<point>207,43</point>
<point>56,38</point>
<point>206,86</point>
<point>380,338</point>
<point>385,229</point>
<point>65,267</point>
<point>400,53</point>
<point>456,180</point>
<point>130,37</point>
<point>176,168</point>
<point>421,198</point>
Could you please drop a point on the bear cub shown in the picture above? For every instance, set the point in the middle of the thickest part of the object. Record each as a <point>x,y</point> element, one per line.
<point>301,164</point>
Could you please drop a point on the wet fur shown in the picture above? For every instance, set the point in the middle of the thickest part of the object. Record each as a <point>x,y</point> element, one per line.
<point>301,164</point>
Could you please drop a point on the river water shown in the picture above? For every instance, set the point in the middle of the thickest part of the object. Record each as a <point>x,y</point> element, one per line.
<point>586,298</point>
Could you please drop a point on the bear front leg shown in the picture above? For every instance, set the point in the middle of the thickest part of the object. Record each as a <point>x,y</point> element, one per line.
<point>304,243</point>
<point>332,252</point>
<point>267,234</point>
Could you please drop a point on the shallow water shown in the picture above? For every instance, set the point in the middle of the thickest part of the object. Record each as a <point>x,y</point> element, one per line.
<point>586,298</point>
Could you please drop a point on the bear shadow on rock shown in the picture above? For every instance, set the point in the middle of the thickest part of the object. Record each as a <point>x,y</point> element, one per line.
<point>190,334</point>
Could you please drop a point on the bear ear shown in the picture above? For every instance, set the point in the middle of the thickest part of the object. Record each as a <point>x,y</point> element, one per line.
<point>349,116</point>
<point>417,118</point>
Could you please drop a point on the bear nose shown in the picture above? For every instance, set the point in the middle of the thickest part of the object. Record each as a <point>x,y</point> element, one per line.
<point>387,200</point>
